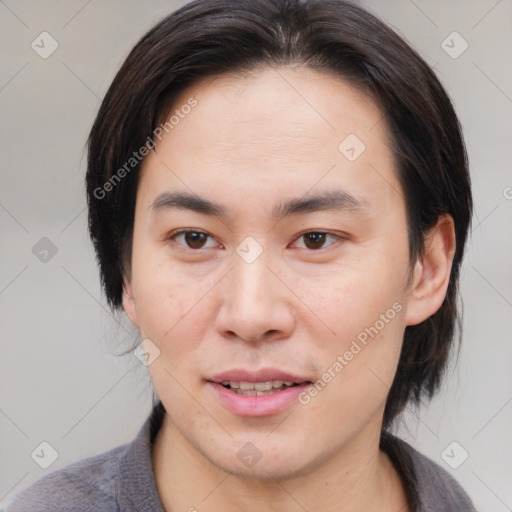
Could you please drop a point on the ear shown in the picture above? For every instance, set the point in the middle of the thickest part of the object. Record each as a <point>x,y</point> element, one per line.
<point>431,273</point>
<point>129,302</point>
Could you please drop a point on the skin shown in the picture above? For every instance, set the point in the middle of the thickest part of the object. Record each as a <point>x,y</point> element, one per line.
<point>251,142</point>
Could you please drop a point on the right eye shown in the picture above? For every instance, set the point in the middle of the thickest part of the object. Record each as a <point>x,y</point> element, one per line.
<point>194,240</point>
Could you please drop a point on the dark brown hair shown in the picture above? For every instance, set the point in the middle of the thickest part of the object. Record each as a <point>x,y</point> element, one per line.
<point>211,37</point>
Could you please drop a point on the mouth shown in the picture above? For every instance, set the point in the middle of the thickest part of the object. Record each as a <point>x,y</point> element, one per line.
<point>257,393</point>
<point>258,388</point>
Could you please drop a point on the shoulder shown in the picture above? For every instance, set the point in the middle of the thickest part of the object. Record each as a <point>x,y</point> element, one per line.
<point>88,484</point>
<point>119,479</point>
<point>430,486</point>
<point>440,491</point>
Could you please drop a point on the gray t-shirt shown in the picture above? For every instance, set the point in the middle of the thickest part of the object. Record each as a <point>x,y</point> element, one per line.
<point>122,479</point>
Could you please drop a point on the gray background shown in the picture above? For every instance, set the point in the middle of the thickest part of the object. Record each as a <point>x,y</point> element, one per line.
<point>60,378</point>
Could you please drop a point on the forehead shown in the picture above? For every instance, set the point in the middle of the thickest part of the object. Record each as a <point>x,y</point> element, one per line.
<point>279,127</point>
<point>293,107</point>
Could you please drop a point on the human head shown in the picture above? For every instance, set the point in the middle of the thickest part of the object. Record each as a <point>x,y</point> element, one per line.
<point>212,38</point>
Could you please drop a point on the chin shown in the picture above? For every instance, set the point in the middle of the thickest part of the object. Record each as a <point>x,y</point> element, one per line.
<point>266,470</point>
<point>263,460</point>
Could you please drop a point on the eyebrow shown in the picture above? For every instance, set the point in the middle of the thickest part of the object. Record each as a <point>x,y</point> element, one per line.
<point>333,200</point>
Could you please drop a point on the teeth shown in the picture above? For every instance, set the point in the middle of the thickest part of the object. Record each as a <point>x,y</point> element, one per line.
<point>257,388</point>
<point>253,392</point>
<point>263,386</point>
<point>248,392</point>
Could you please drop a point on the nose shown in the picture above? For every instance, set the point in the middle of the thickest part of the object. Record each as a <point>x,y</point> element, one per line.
<point>256,304</point>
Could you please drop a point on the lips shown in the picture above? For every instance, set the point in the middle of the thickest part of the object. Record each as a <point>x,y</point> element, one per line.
<point>258,393</point>
<point>263,375</point>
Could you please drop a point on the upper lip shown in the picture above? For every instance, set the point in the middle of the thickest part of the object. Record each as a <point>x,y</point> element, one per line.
<point>262,375</point>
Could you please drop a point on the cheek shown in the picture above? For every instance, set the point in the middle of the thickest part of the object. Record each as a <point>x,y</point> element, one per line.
<point>366,310</point>
<point>172,308</point>
<point>358,366</point>
<point>351,300</point>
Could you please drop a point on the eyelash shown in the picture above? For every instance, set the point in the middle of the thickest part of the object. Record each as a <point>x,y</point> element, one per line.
<point>174,235</point>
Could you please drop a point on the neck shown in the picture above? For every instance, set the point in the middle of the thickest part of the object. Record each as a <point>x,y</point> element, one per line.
<point>357,478</point>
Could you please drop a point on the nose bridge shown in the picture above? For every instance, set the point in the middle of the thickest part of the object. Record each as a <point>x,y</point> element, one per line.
<point>255,302</point>
<point>251,275</point>
<point>252,281</point>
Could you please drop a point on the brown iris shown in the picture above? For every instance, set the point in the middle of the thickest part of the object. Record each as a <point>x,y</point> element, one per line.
<point>194,239</point>
<point>314,240</point>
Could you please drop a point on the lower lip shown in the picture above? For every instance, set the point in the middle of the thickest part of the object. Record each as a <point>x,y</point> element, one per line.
<point>263,405</point>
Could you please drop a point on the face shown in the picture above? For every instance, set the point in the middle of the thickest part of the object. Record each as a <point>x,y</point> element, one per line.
<point>276,294</point>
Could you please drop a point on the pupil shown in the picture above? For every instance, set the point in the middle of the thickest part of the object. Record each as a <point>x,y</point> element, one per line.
<point>194,239</point>
<point>317,240</point>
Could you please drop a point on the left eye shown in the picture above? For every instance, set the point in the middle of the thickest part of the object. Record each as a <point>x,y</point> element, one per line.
<point>315,239</point>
